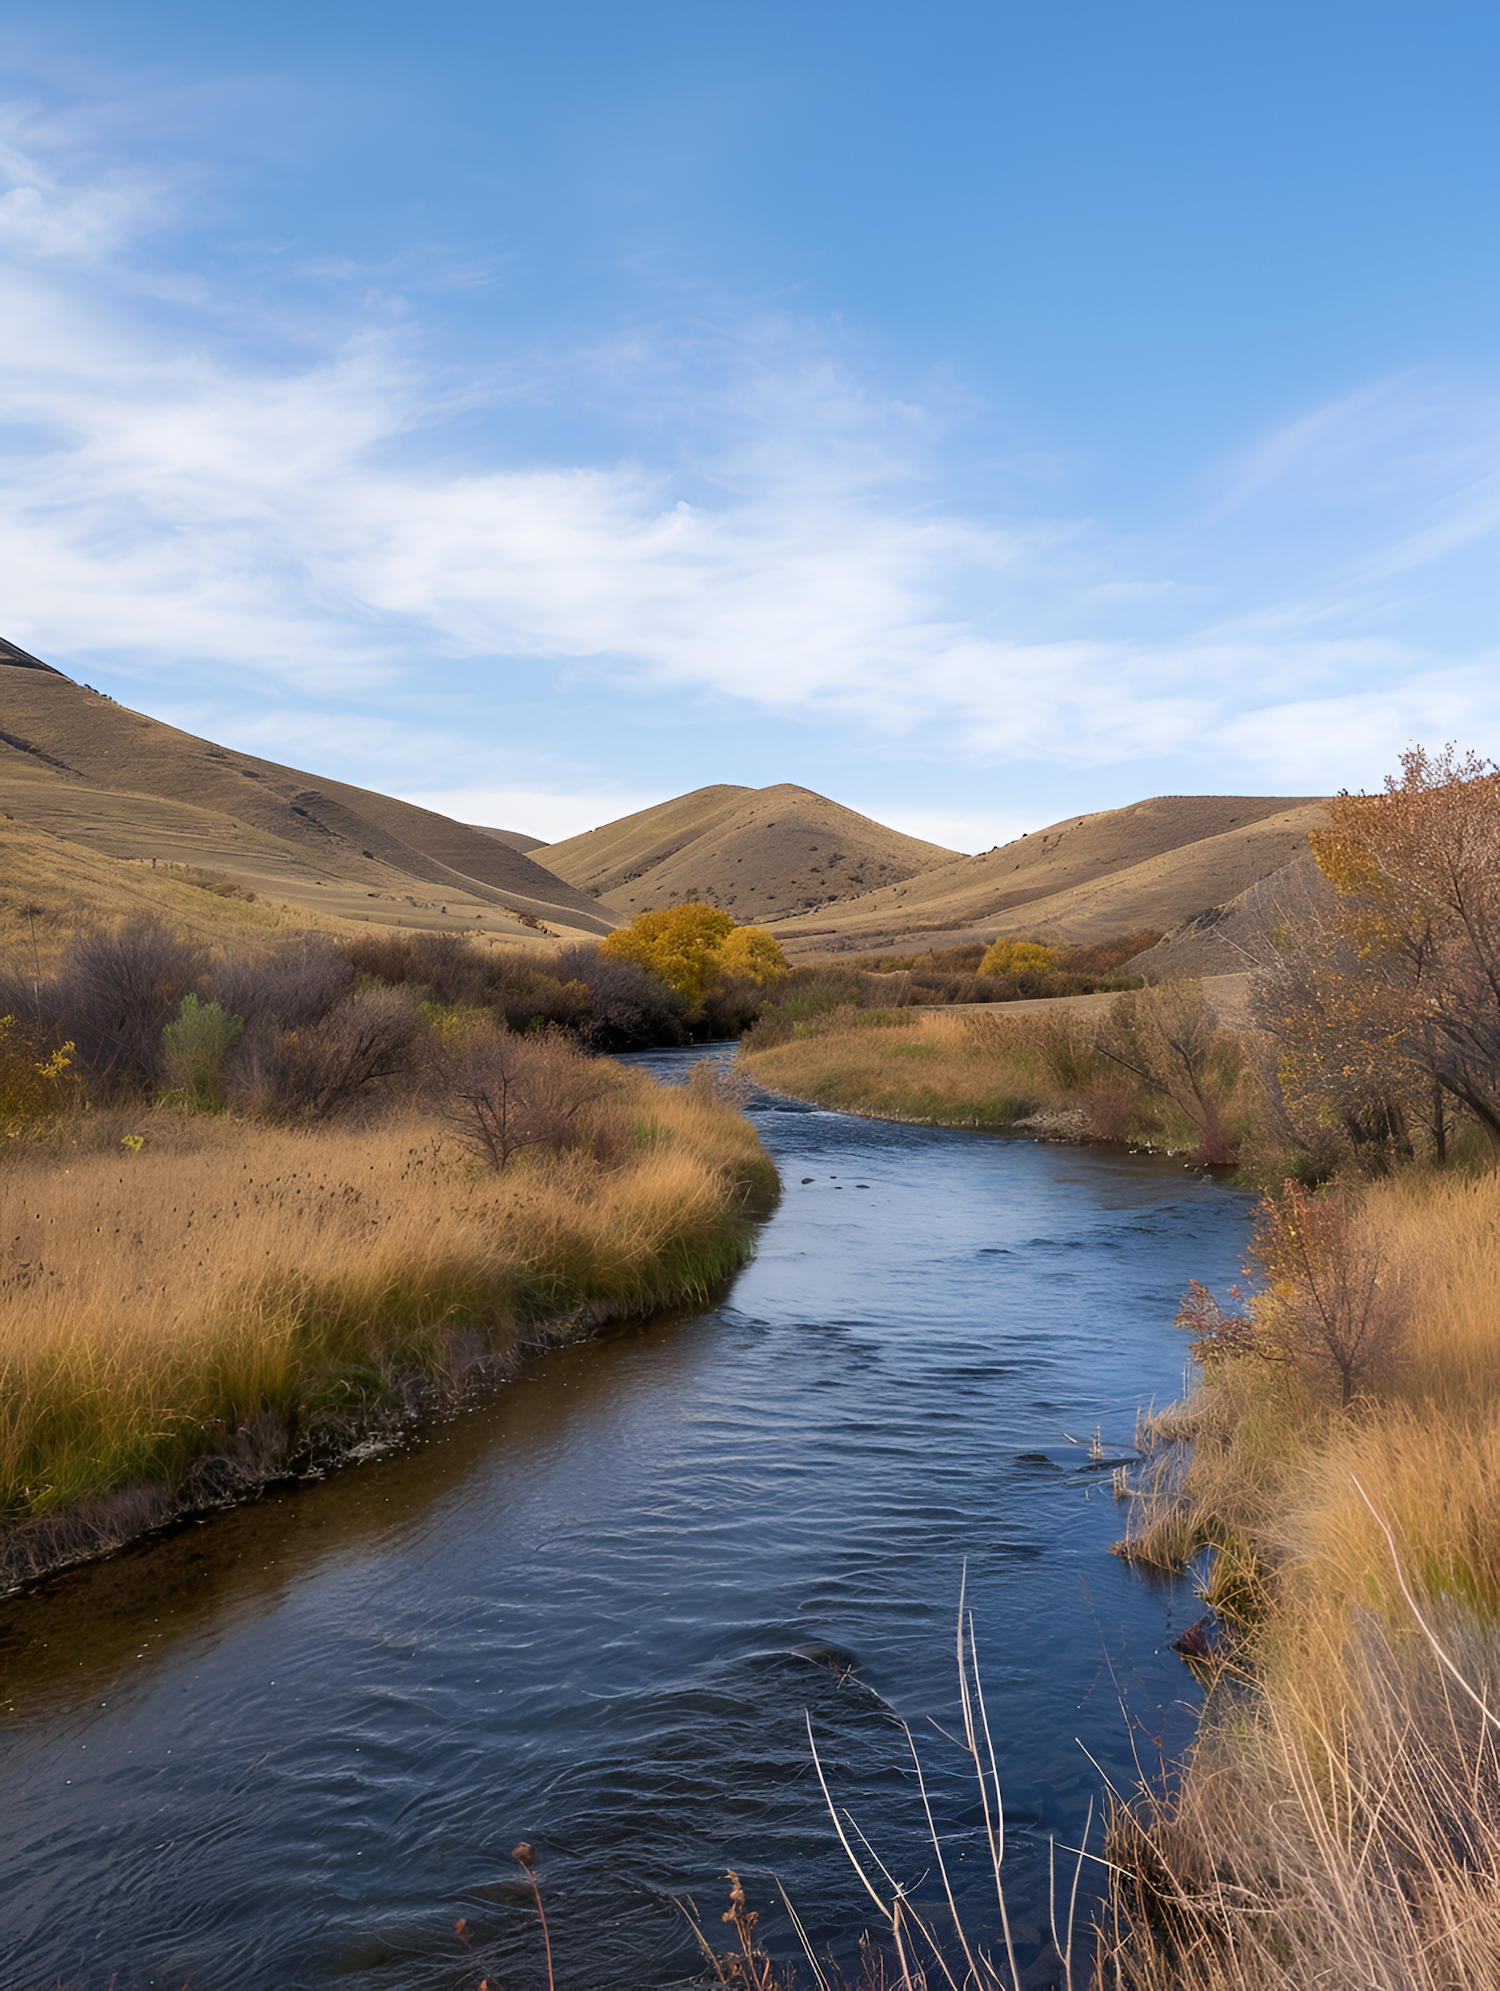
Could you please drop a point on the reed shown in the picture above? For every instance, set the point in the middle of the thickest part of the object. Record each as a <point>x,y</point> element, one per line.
<point>214,1288</point>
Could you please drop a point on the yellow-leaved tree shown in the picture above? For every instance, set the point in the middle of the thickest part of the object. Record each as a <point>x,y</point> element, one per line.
<point>691,947</point>
<point>1018,957</point>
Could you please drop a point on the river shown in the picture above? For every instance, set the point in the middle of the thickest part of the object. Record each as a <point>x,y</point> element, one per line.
<point>293,1745</point>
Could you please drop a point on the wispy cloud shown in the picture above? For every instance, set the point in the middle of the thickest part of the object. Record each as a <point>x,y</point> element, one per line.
<point>776,538</point>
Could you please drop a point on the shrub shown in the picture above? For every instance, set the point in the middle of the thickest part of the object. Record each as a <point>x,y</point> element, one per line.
<point>289,987</point>
<point>729,1009</point>
<point>444,964</point>
<point>116,991</point>
<point>630,1008</point>
<point>33,1080</point>
<point>546,1003</point>
<point>1169,1038</point>
<point>507,1093</point>
<point>288,1074</point>
<point>194,1047</point>
<point>1017,957</point>
<point>691,947</point>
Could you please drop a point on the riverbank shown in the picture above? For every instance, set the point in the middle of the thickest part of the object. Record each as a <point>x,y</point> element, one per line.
<point>1035,1067</point>
<point>198,1306</point>
<point>1336,1818</point>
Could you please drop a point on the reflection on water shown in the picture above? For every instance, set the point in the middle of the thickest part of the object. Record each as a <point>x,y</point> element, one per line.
<point>291,1746</point>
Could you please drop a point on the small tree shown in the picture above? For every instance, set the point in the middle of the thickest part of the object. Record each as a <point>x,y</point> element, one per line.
<point>1018,957</point>
<point>1417,870</point>
<point>690,947</point>
<point>755,955</point>
<point>1331,1307</point>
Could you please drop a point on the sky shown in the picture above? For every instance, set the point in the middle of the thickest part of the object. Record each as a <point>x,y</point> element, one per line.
<point>980,413</point>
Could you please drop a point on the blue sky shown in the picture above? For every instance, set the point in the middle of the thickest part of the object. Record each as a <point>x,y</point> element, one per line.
<point>979,413</point>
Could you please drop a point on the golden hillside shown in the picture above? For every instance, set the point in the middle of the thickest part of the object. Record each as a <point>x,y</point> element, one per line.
<point>1153,864</point>
<point>761,853</point>
<point>99,777</point>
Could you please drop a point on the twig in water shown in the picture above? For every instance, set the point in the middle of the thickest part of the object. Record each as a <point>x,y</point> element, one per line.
<point>526,1858</point>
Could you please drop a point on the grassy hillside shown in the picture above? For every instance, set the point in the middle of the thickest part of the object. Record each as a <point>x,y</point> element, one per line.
<point>1153,864</point>
<point>51,889</point>
<point>116,781</point>
<point>761,853</point>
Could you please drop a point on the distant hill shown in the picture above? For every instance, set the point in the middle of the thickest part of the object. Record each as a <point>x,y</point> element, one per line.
<point>517,839</point>
<point>108,780</point>
<point>1153,864</point>
<point>760,853</point>
<point>100,787</point>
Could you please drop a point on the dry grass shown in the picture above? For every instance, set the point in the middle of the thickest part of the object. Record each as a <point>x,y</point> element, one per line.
<point>985,1070</point>
<point>54,890</point>
<point>228,1284</point>
<point>1338,1821</point>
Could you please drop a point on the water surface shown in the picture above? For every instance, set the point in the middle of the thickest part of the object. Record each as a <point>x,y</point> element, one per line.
<point>293,1745</point>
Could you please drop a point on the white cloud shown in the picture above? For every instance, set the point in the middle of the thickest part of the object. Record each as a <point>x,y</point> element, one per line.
<point>313,520</point>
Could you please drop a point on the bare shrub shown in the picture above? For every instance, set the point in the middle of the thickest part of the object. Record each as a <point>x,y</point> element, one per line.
<point>117,989</point>
<point>1333,1307</point>
<point>369,1035</point>
<point>629,1006</point>
<point>290,986</point>
<point>1169,1038</point>
<point>1109,1107</point>
<point>446,965</point>
<point>544,1003</point>
<point>507,1093</point>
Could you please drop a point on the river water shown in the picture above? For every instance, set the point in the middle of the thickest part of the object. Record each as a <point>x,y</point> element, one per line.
<point>291,1746</point>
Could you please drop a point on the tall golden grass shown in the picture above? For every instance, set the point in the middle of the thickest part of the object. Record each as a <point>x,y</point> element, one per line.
<point>1338,1822</point>
<point>214,1289</point>
<point>990,1070</point>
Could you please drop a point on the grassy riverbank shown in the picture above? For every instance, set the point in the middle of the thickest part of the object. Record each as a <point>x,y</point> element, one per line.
<point>1337,1821</point>
<point>1043,1068</point>
<point>190,1303</point>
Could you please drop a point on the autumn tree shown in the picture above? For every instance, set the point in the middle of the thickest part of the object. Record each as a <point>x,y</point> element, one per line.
<point>691,947</point>
<point>1417,873</point>
<point>1331,1306</point>
<point>1018,957</point>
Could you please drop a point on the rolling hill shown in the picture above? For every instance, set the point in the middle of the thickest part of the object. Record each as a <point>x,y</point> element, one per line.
<point>103,779</point>
<point>1153,864</point>
<point>106,796</point>
<point>763,854</point>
